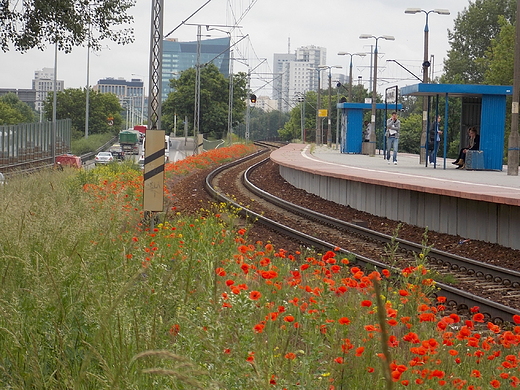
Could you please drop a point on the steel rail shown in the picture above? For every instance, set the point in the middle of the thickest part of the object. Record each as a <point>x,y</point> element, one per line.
<point>461,299</point>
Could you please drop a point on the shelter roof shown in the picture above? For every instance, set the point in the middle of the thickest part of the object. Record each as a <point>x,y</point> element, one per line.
<point>368,106</point>
<point>456,90</point>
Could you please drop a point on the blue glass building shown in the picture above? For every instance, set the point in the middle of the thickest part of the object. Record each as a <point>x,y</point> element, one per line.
<point>179,56</point>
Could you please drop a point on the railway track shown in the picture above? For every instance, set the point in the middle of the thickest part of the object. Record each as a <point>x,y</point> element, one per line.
<point>470,281</point>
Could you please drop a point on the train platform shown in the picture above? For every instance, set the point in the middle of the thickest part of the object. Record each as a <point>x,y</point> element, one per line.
<point>490,186</point>
<point>475,204</point>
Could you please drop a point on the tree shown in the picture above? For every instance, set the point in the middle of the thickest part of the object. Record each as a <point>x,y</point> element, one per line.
<point>214,98</point>
<point>292,128</point>
<point>473,32</point>
<point>499,59</point>
<point>265,125</point>
<point>25,114</point>
<point>410,133</point>
<point>68,23</point>
<point>70,103</point>
<point>9,115</point>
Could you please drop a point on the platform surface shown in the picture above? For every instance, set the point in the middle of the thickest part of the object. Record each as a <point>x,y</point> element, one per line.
<point>489,186</point>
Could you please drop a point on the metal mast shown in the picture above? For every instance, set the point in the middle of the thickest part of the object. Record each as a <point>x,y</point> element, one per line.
<point>155,71</point>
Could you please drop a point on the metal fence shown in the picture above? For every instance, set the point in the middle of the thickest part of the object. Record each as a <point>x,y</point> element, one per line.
<point>32,142</point>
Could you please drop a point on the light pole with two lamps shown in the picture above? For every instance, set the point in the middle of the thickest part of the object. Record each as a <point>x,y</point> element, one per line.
<point>425,65</point>
<point>329,113</point>
<point>372,143</point>
<point>343,53</point>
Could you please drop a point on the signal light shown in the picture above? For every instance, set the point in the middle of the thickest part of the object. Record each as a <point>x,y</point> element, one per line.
<point>252,97</point>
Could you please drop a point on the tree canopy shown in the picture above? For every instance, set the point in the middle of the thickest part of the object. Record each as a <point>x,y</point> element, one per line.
<point>214,98</point>
<point>71,104</point>
<point>474,30</point>
<point>14,111</point>
<point>499,59</point>
<point>68,23</point>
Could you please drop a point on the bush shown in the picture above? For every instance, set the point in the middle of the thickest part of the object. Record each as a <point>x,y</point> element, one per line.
<point>90,144</point>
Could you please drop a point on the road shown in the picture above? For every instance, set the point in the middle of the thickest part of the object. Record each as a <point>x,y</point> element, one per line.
<point>180,148</point>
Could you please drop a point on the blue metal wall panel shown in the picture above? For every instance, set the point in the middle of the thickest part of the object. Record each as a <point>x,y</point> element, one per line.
<point>492,129</point>
<point>353,131</point>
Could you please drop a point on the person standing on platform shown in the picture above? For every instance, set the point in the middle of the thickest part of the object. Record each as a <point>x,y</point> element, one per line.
<point>434,139</point>
<point>393,125</point>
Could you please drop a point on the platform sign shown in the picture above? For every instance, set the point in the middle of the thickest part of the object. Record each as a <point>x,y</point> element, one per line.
<point>154,171</point>
<point>322,113</point>
<point>391,94</point>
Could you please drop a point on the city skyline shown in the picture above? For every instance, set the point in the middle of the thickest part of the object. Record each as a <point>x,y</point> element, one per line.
<point>270,30</point>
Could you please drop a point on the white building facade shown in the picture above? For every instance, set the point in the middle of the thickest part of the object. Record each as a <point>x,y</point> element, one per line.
<point>43,83</point>
<point>296,74</point>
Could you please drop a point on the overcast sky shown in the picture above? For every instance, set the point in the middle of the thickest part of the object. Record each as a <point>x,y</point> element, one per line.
<point>272,26</point>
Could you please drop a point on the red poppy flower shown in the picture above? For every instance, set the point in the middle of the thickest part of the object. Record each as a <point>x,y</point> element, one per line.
<point>255,295</point>
<point>290,356</point>
<point>344,321</point>
<point>259,328</point>
<point>476,374</point>
<point>366,303</point>
<point>288,318</point>
<point>220,271</point>
<point>478,317</point>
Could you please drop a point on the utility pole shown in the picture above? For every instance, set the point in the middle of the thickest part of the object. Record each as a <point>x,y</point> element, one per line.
<point>155,71</point>
<point>230,103</point>
<point>318,104</point>
<point>329,114</point>
<point>512,152</point>
<point>248,108</point>
<point>197,95</point>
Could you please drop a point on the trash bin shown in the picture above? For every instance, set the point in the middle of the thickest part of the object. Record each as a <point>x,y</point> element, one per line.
<point>474,160</point>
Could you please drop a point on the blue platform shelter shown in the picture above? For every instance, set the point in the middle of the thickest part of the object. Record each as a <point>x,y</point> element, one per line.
<point>352,124</point>
<point>483,106</point>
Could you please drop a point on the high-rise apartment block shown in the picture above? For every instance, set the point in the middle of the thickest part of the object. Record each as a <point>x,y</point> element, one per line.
<point>296,74</point>
<point>43,83</point>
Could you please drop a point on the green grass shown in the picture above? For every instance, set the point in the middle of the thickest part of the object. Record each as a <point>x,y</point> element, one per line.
<point>90,298</point>
<point>91,144</point>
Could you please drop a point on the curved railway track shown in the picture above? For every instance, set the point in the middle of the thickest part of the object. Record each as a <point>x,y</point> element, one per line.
<point>471,279</point>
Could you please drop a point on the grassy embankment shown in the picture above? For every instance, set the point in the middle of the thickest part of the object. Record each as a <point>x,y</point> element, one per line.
<point>92,299</point>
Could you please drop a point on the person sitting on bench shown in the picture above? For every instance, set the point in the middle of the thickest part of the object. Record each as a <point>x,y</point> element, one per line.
<point>474,144</point>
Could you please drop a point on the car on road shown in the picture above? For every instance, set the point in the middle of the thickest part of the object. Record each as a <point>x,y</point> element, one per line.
<point>69,160</point>
<point>140,162</point>
<point>103,158</point>
<point>118,154</point>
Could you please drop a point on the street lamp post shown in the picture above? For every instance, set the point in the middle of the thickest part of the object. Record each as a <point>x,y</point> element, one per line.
<point>425,65</point>
<point>318,104</point>
<point>342,53</point>
<point>372,143</point>
<point>329,113</point>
